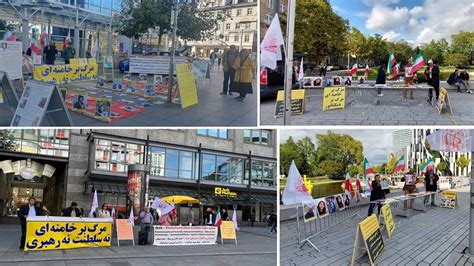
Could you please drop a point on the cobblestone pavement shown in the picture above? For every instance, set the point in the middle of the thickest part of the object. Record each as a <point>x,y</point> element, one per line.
<point>435,237</point>
<point>361,110</point>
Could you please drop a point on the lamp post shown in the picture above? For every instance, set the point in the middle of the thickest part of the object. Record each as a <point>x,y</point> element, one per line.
<point>289,60</point>
<point>174,20</point>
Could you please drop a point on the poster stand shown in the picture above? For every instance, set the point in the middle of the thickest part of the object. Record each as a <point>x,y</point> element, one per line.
<point>108,68</point>
<point>368,239</point>
<point>228,231</point>
<point>124,231</point>
<point>8,92</point>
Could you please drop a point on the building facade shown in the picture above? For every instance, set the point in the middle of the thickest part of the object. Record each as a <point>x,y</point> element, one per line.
<point>219,167</point>
<point>268,9</point>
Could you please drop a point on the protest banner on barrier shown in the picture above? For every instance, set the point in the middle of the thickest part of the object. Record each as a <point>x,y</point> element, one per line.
<point>184,235</point>
<point>297,103</point>
<point>65,73</point>
<point>334,98</point>
<point>52,233</point>
<point>158,65</point>
<point>368,239</point>
<point>11,59</point>
<point>124,231</point>
<point>388,219</point>
<point>187,86</point>
<point>449,199</point>
<point>228,231</point>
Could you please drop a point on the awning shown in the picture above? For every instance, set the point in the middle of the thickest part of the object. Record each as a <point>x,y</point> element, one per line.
<point>165,192</point>
<point>108,187</point>
<point>265,199</point>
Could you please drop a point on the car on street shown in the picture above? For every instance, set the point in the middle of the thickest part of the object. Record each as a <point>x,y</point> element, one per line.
<point>272,81</point>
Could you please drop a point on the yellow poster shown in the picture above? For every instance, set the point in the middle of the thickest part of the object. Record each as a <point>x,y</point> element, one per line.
<point>52,233</point>
<point>228,230</point>
<point>74,61</point>
<point>187,86</point>
<point>61,74</point>
<point>369,226</point>
<point>334,98</point>
<point>449,199</point>
<point>388,218</point>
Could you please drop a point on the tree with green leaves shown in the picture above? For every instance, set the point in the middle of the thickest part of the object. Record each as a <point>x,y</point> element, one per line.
<point>306,150</point>
<point>288,153</point>
<point>442,166</point>
<point>7,140</point>
<point>377,49</point>
<point>462,162</point>
<point>436,50</point>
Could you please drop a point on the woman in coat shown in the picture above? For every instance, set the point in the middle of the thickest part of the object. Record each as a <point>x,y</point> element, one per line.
<point>243,75</point>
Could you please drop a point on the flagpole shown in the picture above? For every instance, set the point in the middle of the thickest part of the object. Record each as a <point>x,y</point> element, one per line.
<point>289,60</point>
<point>471,216</point>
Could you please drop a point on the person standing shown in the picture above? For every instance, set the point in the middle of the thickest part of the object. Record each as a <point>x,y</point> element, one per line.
<point>224,215</point>
<point>408,80</point>
<point>228,59</point>
<point>381,80</point>
<point>432,76</point>
<point>72,211</point>
<point>410,185</point>
<point>431,185</point>
<point>243,75</point>
<point>208,217</point>
<point>272,220</point>
<point>103,212</point>
<point>190,216</point>
<point>146,220</point>
<point>49,53</point>
<point>68,53</point>
<point>27,210</point>
<point>376,194</point>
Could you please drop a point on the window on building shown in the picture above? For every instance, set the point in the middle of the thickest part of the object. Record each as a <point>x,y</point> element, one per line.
<point>270,3</point>
<point>236,170</point>
<point>222,168</point>
<point>282,8</point>
<point>50,142</point>
<point>227,26</point>
<point>269,19</point>
<point>249,11</point>
<point>208,167</point>
<point>263,174</point>
<point>246,38</point>
<point>226,38</point>
<point>215,133</point>
<point>247,25</point>
<point>171,163</point>
<point>229,12</point>
<point>239,12</point>
<point>257,136</point>
<point>114,156</point>
<point>236,38</point>
<point>237,26</point>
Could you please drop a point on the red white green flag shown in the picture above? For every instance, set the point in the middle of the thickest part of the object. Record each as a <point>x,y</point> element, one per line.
<point>391,63</point>
<point>367,168</point>
<point>218,217</point>
<point>400,165</point>
<point>419,63</point>
<point>428,165</point>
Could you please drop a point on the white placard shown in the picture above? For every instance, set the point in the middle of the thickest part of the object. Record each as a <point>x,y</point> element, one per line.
<point>33,104</point>
<point>184,235</point>
<point>158,65</point>
<point>48,170</point>
<point>11,59</point>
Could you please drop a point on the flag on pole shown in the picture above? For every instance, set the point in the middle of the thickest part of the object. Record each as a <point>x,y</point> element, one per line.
<point>218,217</point>
<point>95,204</point>
<point>391,63</point>
<point>44,39</point>
<point>131,218</point>
<point>95,49</point>
<point>295,190</point>
<point>418,64</point>
<point>452,140</point>
<point>400,165</point>
<point>301,72</point>
<point>348,186</point>
<point>367,168</point>
<point>234,219</point>
<point>396,69</point>
<point>161,207</point>
<point>353,70</point>
<point>9,36</point>
<point>67,41</point>
<point>367,70</point>
<point>270,48</point>
<point>428,165</point>
<point>113,213</point>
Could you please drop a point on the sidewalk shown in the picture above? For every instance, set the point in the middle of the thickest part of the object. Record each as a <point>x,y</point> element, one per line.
<point>213,109</point>
<point>255,246</point>
<point>433,237</point>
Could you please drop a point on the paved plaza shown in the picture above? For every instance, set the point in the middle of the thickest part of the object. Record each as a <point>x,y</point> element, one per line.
<point>255,246</point>
<point>391,110</point>
<point>436,237</point>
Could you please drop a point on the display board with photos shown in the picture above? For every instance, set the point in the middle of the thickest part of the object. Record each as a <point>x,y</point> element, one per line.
<point>11,59</point>
<point>319,82</point>
<point>449,199</point>
<point>322,207</point>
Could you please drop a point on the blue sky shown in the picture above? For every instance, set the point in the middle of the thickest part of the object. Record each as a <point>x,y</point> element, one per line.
<point>416,21</point>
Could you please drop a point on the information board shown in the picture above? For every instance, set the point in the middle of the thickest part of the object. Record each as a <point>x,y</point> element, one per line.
<point>449,199</point>
<point>124,231</point>
<point>11,59</point>
<point>297,103</point>
<point>187,86</point>
<point>334,98</point>
<point>443,102</point>
<point>368,238</point>
<point>388,219</point>
<point>159,65</point>
<point>61,74</point>
<point>228,231</point>
<point>184,235</point>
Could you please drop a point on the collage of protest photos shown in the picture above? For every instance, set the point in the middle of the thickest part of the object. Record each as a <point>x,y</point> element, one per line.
<point>236,132</point>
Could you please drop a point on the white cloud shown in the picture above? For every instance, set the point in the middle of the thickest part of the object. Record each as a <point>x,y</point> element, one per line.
<point>391,36</point>
<point>380,2</point>
<point>416,11</point>
<point>386,18</point>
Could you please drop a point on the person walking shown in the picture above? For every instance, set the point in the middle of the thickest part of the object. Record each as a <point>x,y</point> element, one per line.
<point>228,59</point>
<point>27,210</point>
<point>103,212</point>
<point>68,53</point>
<point>72,211</point>
<point>376,194</point>
<point>243,75</point>
<point>272,221</point>
<point>146,220</point>
<point>49,53</point>
<point>431,185</point>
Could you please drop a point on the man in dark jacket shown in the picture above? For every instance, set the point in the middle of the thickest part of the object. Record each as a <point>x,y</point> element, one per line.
<point>68,53</point>
<point>72,211</point>
<point>228,60</point>
<point>432,75</point>
<point>26,210</point>
<point>380,79</point>
<point>376,194</point>
<point>431,185</point>
<point>224,215</point>
<point>49,53</point>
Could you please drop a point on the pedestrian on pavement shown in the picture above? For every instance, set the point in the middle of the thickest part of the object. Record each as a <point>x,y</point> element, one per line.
<point>72,211</point>
<point>243,76</point>
<point>224,215</point>
<point>228,59</point>
<point>408,80</point>
<point>103,212</point>
<point>252,219</point>
<point>49,53</point>
<point>219,59</point>
<point>272,221</point>
<point>68,53</point>
<point>190,216</point>
<point>146,220</point>
<point>410,185</point>
<point>27,210</point>
<point>432,76</point>
<point>376,194</point>
<point>431,185</point>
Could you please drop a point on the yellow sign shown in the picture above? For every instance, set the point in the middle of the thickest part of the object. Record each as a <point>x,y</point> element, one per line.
<point>52,233</point>
<point>228,231</point>
<point>449,199</point>
<point>92,61</point>
<point>334,98</point>
<point>388,218</point>
<point>61,74</point>
<point>74,61</point>
<point>187,85</point>
<point>297,103</point>
<point>369,226</point>
<point>368,237</point>
<point>224,192</point>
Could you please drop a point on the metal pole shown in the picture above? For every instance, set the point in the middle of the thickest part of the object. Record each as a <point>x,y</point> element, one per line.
<point>471,220</point>
<point>174,16</point>
<point>289,60</point>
